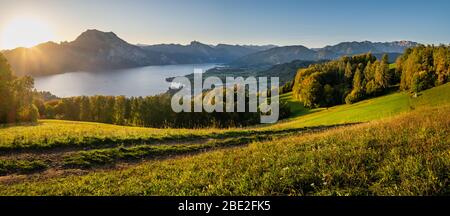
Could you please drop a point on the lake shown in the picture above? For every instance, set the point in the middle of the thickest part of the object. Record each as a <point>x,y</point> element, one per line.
<point>141,81</point>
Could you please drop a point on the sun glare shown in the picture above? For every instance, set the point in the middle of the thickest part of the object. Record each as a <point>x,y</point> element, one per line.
<point>24,32</point>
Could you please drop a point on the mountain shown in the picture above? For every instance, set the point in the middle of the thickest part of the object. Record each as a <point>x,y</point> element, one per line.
<point>285,72</point>
<point>233,52</point>
<point>92,50</point>
<point>197,52</point>
<point>96,50</point>
<point>354,48</point>
<point>260,47</point>
<point>279,55</point>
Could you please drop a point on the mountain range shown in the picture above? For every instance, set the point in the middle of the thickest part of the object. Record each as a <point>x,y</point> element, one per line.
<point>197,52</point>
<point>280,55</point>
<point>95,50</point>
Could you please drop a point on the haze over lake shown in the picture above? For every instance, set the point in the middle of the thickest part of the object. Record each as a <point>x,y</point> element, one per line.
<point>141,81</point>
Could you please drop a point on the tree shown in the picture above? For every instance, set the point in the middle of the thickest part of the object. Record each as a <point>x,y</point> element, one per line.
<point>348,71</point>
<point>119,110</point>
<point>369,72</point>
<point>357,80</point>
<point>382,73</point>
<point>311,92</point>
<point>16,96</point>
<point>328,94</point>
<point>338,79</point>
<point>356,94</point>
<point>28,114</point>
<point>424,67</point>
<point>85,109</point>
<point>385,59</point>
<point>371,88</point>
<point>441,65</point>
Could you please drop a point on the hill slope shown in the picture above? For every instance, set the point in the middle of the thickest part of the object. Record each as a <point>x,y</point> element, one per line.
<point>379,158</point>
<point>50,134</point>
<point>315,153</point>
<point>367,110</point>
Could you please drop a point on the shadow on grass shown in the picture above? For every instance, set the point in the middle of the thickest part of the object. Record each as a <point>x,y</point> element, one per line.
<point>92,143</point>
<point>23,124</point>
<point>117,153</point>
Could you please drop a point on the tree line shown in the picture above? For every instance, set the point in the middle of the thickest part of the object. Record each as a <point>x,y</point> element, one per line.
<point>150,111</point>
<point>347,80</point>
<point>16,96</point>
<point>351,79</point>
<point>424,67</point>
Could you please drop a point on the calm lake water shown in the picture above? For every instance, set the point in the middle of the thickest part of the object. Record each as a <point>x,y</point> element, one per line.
<point>141,81</point>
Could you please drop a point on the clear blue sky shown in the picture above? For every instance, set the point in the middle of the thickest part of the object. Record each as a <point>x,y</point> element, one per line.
<point>283,22</point>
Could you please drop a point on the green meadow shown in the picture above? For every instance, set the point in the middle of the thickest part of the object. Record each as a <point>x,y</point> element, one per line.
<point>395,144</point>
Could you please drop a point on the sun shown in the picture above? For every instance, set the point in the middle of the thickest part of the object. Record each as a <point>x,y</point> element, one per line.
<point>24,32</point>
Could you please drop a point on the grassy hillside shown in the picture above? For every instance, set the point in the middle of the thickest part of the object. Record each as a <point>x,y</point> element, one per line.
<point>51,149</point>
<point>405,155</point>
<point>49,134</point>
<point>376,108</point>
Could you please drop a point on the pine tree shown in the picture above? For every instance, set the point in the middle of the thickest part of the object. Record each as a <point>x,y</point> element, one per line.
<point>357,93</point>
<point>348,71</point>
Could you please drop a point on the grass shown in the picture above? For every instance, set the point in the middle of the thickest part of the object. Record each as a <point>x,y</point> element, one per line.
<point>55,133</point>
<point>110,156</point>
<point>372,109</point>
<point>50,134</point>
<point>404,155</point>
<point>367,110</point>
<point>392,66</point>
<point>21,166</point>
<point>403,150</point>
<point>297,108</point>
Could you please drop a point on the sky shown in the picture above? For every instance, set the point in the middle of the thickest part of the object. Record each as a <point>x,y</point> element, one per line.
<point>282,22</point>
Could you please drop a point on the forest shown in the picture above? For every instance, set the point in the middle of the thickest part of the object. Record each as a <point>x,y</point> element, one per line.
<point>150,111</point>
<point>424,67</point>
<point>347,80</point>
<point>352,79</point>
